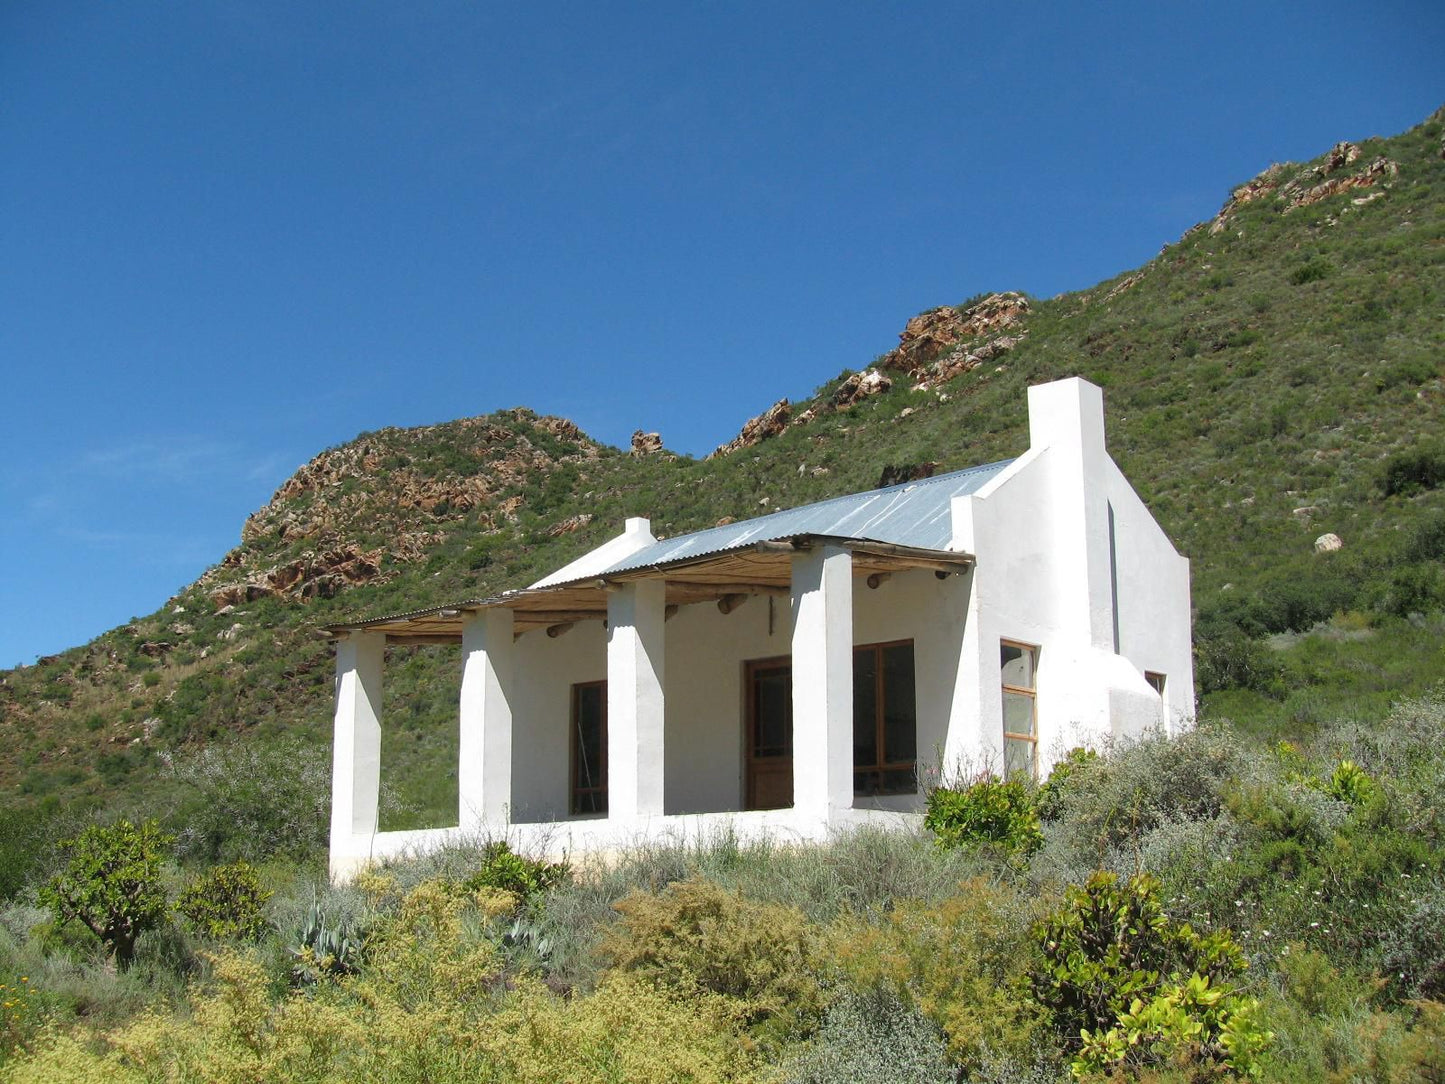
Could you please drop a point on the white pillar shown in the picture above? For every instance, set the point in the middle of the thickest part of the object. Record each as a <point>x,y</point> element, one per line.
<point>484,755</point>
<point>356,741</point>
<point>823,680</point>
<point>635,623</point>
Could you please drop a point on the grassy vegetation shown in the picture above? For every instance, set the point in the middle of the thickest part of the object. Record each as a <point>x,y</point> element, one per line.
<point>1286,907</point>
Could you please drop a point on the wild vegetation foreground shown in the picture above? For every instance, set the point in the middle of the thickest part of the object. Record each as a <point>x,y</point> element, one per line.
<point>1202,906</point>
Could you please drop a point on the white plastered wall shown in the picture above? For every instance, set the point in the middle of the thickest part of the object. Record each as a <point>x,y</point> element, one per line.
<point>1041,534</point>
<point>704,690</point>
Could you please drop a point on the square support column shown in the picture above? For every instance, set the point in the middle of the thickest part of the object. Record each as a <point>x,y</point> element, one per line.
<point>823,681</point>
<point>635,660</point>
<point>484,754</point>
<point>356,741</point>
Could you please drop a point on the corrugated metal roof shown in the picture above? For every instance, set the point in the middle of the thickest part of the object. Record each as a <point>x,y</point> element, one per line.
<point>909,514</point>
<point>912,514</point>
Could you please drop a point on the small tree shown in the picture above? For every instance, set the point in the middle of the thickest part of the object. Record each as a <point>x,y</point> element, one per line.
<point>111,884</point>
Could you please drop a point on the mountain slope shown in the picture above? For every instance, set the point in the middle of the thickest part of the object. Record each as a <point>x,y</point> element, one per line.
<point>1262,375</point>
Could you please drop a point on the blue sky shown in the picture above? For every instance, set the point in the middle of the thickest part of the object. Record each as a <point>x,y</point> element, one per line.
<point>237,233</point>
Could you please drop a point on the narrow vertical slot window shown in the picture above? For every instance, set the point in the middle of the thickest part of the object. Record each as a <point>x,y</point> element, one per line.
<point>1018,664</point>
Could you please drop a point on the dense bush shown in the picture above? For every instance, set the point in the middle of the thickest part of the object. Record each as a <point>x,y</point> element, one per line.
<point>1127,987</point>
<point>873,1036</point>
<point>1062,777</point>
<point>1231,660</point>
<point>250,801</point>
<point>873,956</point>
<point>1411,472</point>
<point>695,937</point>
<point>25,835</point>
<point>959,962</point>
<point>506,871</point>
<point>226,903</point>
<point>994,812</point>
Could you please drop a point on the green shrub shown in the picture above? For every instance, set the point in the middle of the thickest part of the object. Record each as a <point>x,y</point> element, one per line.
<point>696,937</point>
<point>25,835</point>
<point>254,800</point>
<point>959,962</point>
<point>1351,784</point>
<point>506,871</point>
<point>225,903</point>
<point>1414,471</point>
<point>1412,588</point>
<point>1126,987</point>
<point>111,884</point>
<point>994,812</point>
<point>1427,540</point>
<point>1312,270</point>
<point>1062,777</point>
<point>873,1036</point>
<point>1234,661</point>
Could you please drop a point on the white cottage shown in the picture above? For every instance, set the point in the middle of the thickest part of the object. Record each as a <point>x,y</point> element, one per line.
<point>801,672</point>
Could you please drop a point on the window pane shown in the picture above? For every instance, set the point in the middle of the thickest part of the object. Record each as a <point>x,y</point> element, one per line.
<point>1018,713</point>
<point>1017,664</point>
<point>900,715</point>
<point>774,736</point>
<point>865,706</point>
<point>1155,680</point>
<point>1018,758</point>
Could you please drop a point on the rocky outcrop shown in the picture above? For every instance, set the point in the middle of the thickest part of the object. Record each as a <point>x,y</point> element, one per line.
<point>384,485</point>
<point>769,423</point>
<point>858,387</point>
<point>932,335</point>
<point>568,525</point>
<point>646,443</point>
<point>1378,170</point>
<point>321,574</point>
<point>966,360</point>
<point>1307,186</point>
<point>779,418</point>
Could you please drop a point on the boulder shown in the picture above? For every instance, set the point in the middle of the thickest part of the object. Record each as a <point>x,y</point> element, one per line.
<point>858,387</point>
<point>646,443</point>
<point>1328,543</point>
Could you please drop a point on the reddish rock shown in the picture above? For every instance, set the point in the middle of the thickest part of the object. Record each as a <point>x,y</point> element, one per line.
<point>858,387</point>
<point>770,423</point>
<point>931,335</point>
<point>646,443</point>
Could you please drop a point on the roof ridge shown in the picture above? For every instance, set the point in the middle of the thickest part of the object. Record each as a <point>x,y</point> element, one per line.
<point>897,486</point>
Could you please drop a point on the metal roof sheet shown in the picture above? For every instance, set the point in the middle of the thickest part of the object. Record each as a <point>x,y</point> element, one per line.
<point>909,514</point>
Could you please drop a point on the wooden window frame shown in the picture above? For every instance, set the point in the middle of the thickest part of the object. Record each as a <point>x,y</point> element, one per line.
<point>574,790</point>
<point>1032,692</point>
<point>884,765</point>
<point>1157,681</point>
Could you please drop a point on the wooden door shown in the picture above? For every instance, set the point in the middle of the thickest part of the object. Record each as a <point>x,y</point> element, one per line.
<point>770,734</point>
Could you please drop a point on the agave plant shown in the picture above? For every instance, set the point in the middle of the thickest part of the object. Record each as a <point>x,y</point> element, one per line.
<point>325,951</point>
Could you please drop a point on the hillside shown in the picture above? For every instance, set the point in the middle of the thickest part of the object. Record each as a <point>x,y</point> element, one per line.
<point>1275,375</point>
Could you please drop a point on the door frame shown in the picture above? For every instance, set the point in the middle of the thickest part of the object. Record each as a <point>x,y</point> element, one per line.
<point>752,763</point>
